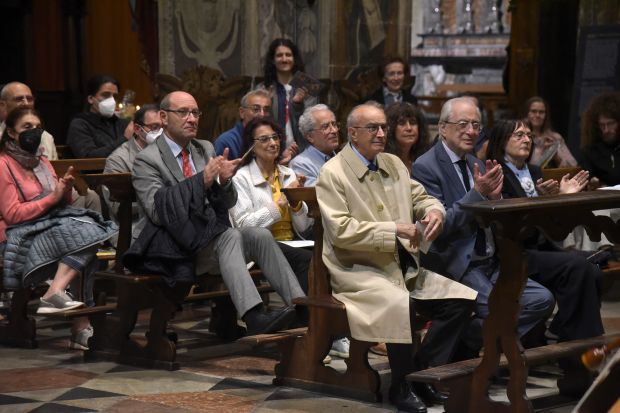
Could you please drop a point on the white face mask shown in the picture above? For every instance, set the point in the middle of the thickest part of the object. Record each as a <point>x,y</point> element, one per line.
<point>152,136</point>
<point>107,107</point>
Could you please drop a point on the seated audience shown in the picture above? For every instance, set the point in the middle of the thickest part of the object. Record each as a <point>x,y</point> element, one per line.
<point>575,283</point>
<point>549,146</point>
<point>96,132</point>
<point>465,251</point>
<point>407,135</point>
<point>40,236</point>
<point>254,104</point>
<point>185,191</point>
<point>600,139</point>
<point>18,95</point>
<point>370,246</point>
<point>393,71</point>
<point>147,128</point>
<point>260,200</point>
<point>318,125</point>
<point>283,60</point>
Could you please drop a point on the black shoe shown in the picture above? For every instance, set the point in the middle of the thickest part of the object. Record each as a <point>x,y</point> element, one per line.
<point>402,396</point>
<point>429,394</point>
<point>265,322</point>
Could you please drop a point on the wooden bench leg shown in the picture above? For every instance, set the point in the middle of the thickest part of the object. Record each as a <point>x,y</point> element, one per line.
<point>20,330</point>
<point>302,365</point>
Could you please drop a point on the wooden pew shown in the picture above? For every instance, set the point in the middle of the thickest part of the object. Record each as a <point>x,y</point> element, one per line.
<point>137,292</point>
<point>303,350</point>
<point>64,152</point>
<point>555,216</point>
<point>80,166</point>
<point>558,173</point>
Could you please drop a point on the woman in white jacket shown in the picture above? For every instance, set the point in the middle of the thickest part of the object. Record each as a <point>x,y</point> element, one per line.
<point>260,200</point>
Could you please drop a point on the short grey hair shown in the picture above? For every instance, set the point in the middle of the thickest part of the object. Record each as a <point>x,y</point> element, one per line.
<point>307,121</point>
<point>446,109</point>
<point>255,92</point>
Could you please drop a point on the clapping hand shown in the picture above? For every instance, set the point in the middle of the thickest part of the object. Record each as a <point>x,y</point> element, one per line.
<point>490,183</point>
<point>575,184</point>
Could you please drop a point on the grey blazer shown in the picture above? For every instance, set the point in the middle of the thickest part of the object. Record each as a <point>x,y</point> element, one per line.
<point>451,252</point>
<point>155,166</point>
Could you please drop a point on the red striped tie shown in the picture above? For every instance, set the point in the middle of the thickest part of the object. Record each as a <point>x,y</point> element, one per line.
<point>187,168</point>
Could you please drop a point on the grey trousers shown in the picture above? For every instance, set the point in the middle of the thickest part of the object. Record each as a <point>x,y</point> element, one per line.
<point>227,255</point>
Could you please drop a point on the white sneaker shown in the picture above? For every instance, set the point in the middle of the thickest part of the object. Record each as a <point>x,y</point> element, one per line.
<point>79,339</point>
<point>340,348</point>
<point>57,303</point>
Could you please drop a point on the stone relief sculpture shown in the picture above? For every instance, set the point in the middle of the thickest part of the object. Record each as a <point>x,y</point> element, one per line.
<point>205,27</point>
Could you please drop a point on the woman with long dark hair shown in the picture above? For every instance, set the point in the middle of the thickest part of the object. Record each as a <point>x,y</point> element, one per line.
<point>282,61</point>
<point>407,135</point>
<point>549,146</point>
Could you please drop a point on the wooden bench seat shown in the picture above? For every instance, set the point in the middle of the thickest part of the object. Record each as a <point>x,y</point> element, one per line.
<point>457,376</point>
<point>533,357</point>
<point>136,292</point>
<point>263,339</point>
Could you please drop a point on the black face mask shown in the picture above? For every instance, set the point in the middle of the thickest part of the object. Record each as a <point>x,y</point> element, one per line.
<point>30,139</point>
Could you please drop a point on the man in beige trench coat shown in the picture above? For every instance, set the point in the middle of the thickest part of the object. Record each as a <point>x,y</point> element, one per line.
<point>370,245</point>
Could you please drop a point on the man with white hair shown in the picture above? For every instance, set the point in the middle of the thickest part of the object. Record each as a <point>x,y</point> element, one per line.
<point>318,125</point>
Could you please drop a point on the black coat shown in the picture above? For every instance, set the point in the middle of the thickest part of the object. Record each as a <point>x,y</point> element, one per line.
<point>187,226</point>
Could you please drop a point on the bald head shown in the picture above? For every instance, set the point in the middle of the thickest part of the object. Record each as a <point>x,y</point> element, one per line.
<point>367,130</point>
<point>179,116</point>
<point>13,95</point>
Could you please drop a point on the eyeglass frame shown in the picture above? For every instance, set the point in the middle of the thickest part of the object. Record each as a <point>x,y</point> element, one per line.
<point>28,98</point>
<point>184,113</point>
<point>521,135</point>
<point>384,127</point>
<point>463,124</point>
<point>265,139</point>
<point>256,109</point>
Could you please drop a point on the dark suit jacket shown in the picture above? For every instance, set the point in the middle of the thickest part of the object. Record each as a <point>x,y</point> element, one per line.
<point>450,254</point>
<point>377,96</point>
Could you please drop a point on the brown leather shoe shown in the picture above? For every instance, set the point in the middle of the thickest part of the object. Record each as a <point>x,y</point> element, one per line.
<point>380,349</point>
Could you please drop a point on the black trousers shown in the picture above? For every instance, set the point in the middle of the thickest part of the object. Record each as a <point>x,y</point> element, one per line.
<point>575,284</point>
<point>299,260</point>
<point>449,317</point>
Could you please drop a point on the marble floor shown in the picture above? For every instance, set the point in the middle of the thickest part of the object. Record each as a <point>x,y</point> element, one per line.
<point>215,376</point>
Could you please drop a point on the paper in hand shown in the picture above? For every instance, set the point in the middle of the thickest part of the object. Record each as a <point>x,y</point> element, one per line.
<point>424,245</point>
<point>303,80</point>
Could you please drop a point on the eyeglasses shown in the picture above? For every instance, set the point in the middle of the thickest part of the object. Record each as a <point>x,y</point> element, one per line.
<point>256,109</point>
<point>184,113</point>
<point>27,98</point>
<point>266,138</point>
<point>325,127</point>
<point>463,124</point>
<point>522,135</point>
<point>373,128</point>
<point>151,127</point>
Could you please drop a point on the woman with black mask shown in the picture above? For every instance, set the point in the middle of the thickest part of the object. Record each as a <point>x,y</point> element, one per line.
<point>40,236</point>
